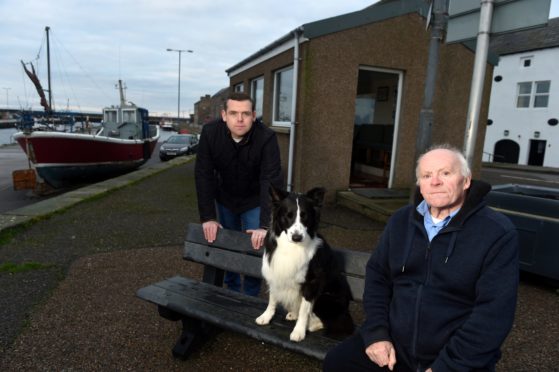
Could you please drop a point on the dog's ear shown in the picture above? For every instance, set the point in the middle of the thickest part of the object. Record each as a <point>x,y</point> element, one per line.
<point>277,195</point>
<point>317,195</point>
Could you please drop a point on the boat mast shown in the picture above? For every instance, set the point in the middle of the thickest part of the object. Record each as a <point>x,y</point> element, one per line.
<point>48,66</point>
<point>122,99</point>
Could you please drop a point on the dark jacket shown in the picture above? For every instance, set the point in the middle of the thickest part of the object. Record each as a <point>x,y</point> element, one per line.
<point>449,303</point>
<point>236,175</point>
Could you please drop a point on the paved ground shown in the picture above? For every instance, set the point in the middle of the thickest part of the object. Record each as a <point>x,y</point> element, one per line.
<point>78,311</point>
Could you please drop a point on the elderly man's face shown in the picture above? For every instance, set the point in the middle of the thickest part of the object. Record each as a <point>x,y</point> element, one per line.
<point>441,182</point>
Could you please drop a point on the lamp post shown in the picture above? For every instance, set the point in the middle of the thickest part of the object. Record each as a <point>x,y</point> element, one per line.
<point>7,97</point>
<point>180,51</point>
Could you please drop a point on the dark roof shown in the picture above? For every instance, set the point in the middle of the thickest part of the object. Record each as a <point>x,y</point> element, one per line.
<point>527,40</point>
<point>374,13</point>
<point>221,92</point>
<point>377,12</point>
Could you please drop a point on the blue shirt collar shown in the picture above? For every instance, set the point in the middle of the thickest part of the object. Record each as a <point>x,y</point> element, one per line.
<point>431,227</point>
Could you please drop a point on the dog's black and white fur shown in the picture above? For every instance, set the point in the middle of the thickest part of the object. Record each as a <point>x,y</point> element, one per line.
<point>300,269</point>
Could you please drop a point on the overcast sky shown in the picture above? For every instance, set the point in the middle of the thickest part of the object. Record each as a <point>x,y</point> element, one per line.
<point>94,43</point>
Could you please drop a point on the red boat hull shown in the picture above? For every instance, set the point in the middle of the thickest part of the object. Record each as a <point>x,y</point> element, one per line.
<point>60,158</point>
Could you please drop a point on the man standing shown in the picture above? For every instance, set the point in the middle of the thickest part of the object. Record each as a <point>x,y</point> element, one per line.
<point>237,160</point>
<point>440,289</point>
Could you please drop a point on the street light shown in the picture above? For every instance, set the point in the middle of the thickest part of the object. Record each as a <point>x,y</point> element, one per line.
<point>7,97</point>
<point>180,51</point>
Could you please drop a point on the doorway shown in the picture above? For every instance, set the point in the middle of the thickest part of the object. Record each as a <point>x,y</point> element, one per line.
<point>537,152</point>
<point>377,106</point>
<point>506,151</point>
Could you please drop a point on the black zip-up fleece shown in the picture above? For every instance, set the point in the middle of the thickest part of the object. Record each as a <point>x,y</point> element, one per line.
<point>447,304</point>
<point>237,175</point>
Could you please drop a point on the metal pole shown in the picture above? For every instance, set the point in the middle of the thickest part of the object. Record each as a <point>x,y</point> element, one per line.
<point>478,77</point>
<point>426,116</point>
<point>180,51</point>
<point>48,67</point>
<point>179,101</point>
<point>7,97</point>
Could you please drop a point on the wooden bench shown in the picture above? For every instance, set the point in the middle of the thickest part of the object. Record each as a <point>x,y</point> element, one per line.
<point>204,306</point>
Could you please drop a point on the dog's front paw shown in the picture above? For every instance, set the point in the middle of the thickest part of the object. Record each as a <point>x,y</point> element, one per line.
<point>291,316</point>
<point>297,335</point>
<point>264,318</point>
<point>315,324</point>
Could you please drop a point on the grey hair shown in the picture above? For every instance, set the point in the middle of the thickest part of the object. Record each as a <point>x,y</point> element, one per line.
<point>464,167</point>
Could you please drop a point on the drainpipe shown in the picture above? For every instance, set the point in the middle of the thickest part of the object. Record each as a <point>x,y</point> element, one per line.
<point>296,34</point>
<point>478,76</point>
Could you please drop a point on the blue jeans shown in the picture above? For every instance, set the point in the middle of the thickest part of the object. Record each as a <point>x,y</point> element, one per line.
<point>249,220</point>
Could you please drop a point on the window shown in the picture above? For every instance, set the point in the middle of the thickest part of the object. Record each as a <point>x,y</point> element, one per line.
<point>110,116</point>
<point>526,61</point>
<point>524,94</point>
<point>238,87</point>
<point>129,116</point>
<point>283,93</point>
<point>257,95</point>
<point>541,96</point>
<point>533,94</point>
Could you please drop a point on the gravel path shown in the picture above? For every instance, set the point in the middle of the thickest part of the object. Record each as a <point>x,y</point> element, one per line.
<point>81,313</point>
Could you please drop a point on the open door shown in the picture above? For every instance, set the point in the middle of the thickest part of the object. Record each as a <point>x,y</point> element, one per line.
<point>537,152</point>
<point>375,123</point>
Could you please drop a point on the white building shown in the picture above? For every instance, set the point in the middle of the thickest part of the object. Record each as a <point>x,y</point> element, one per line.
<point>524,108</point>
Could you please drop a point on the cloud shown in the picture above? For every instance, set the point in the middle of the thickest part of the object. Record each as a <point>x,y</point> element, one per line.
<point>98,42</point>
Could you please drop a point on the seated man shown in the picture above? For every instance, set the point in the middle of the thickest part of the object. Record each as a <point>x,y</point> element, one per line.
<point>440,288</point>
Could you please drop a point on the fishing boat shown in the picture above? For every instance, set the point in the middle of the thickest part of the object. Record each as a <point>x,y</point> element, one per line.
<point>124,142</point>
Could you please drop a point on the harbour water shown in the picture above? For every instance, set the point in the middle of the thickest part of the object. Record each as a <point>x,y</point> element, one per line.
<point>6,136</point>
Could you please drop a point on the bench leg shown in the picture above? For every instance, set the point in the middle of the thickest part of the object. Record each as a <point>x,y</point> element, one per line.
<point>194,333</point>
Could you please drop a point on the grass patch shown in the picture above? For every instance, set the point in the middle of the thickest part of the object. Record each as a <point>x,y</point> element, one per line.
<point>8,234</point>
<point>12,268</point>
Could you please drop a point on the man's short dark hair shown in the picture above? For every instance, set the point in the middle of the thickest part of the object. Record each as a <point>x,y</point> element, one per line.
<point>238,96</point>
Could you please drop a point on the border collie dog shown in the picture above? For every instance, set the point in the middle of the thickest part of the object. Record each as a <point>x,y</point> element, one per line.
<point>300,269</point>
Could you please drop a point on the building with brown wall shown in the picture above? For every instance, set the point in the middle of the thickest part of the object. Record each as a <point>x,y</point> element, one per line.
<point>217,101</point>
<point>359,82</point>
<point>202,110</point>
<point>209,107</point>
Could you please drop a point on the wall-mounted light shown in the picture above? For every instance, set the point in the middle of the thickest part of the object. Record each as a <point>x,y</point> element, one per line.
<point>506,133</point>
<point>536,134</point>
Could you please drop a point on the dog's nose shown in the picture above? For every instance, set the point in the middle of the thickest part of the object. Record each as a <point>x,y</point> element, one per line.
<point>296,238</point>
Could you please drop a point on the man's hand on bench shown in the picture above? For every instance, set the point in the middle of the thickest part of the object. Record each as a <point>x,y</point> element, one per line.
<point>257,237</point>
<point>210,230</point>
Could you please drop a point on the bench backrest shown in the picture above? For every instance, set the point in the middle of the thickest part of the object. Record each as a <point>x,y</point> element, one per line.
<point>232,251</point>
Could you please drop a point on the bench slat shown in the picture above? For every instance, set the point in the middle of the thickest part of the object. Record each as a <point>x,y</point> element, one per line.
<point>233,311</point>
<point>223,259</point>
<point>225,239</point>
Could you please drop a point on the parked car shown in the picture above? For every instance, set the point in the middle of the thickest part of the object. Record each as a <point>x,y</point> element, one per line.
<point>178,145</point>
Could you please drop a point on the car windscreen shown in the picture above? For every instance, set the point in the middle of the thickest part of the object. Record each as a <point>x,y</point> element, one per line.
<point>181,140</point>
